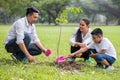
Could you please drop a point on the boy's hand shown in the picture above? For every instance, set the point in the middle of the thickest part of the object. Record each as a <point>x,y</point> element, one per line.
<point>92,54</point>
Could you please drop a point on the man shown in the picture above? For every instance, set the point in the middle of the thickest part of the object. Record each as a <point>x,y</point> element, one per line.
<point>20,35</point>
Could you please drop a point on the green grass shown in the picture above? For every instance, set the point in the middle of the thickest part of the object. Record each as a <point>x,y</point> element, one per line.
<point>42,70</point>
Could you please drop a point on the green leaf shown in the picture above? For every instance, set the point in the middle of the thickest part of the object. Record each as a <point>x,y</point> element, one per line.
<point>57,20</point>
<point>63,18</point>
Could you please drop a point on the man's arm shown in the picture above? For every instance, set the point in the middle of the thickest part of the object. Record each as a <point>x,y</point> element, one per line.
<point>25,51</point>
<point>38,43</point>
<point>19,29</point>
<point>36,39</point>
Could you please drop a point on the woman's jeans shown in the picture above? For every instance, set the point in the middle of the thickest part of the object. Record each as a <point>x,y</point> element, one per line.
<point>12,47</point>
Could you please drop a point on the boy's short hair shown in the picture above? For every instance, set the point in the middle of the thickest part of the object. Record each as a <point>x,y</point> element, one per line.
<point>97,32</point>
<point>30,10</point>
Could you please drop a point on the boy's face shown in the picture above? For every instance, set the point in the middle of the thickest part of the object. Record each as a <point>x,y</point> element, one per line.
<point>97,38</point>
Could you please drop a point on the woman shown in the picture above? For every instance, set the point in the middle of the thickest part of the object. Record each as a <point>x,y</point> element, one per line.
<point>81,37</point>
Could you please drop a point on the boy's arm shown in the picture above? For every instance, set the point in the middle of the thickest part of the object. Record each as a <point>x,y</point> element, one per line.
<point>103,51</point>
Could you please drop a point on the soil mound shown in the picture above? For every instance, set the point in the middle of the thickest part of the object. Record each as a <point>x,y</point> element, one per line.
<point>70,65</point>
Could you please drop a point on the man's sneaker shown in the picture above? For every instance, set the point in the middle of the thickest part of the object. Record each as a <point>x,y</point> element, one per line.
<point>13,57</point>
<point>109,68</point>
<point>25,59</point>
<point>71,59</point>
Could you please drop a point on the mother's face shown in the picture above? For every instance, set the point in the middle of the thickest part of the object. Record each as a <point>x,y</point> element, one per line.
<point>83,26</point>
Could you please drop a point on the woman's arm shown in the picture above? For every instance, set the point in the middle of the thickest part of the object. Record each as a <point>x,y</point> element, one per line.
<point>80,51</point>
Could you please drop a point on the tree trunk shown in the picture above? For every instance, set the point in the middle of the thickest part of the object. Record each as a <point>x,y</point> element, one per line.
<point>5,20</point>
<point>119,21</point>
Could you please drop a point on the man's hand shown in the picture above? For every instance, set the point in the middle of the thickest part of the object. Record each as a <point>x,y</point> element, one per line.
<point>25,51</point>
<point>44,50</point>
<point>31,58</point>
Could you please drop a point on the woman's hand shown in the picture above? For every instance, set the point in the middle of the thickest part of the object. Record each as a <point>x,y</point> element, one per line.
<point>71,55</point>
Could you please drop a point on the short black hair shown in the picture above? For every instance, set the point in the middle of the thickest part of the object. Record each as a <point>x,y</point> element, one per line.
<point>97,32</point>
<point>30,10</point>
<point>86,21</point>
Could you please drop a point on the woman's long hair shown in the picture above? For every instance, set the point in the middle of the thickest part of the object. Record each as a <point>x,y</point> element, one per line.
<point>78,36</point>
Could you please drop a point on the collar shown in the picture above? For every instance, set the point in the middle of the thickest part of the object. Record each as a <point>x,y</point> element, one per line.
<point>26,22</point>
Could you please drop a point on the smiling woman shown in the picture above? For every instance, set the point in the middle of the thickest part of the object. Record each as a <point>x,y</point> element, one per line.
<point>80,38</point>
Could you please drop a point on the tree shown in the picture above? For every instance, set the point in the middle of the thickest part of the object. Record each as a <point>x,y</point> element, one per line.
<point>52,7</point>
<point>89,8</point>
<point>108,8</point>
<point>13,8</point>
<point>113,8</point>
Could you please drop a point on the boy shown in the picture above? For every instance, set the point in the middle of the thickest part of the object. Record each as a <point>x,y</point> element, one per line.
<point>105,51</point>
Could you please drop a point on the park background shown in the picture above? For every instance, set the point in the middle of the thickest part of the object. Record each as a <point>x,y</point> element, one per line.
<point>104,14</point>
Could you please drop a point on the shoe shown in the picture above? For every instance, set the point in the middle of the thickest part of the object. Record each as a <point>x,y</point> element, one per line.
<point>89,61</point>
<point>99,65</point>
<point>25,59</point>
<point>109,68</point>
<point>71,59</point>
<point>13,57</point>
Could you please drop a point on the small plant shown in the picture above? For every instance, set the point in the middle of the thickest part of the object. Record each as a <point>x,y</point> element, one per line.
<point>63,15</point>
<point>63,19</point>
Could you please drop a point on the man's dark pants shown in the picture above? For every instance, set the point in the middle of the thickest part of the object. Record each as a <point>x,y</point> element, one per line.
<point>12,47</point>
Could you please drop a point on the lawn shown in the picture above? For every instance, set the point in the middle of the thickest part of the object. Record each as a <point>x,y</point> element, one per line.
<point>43,70</point>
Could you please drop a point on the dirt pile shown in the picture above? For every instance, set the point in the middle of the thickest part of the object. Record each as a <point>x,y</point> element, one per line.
<point>70,65</point>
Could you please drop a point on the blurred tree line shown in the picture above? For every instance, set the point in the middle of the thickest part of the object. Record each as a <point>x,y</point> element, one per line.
<point>97,11</point>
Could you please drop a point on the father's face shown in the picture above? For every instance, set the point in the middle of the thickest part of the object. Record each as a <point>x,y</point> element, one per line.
<point>33,18</point>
